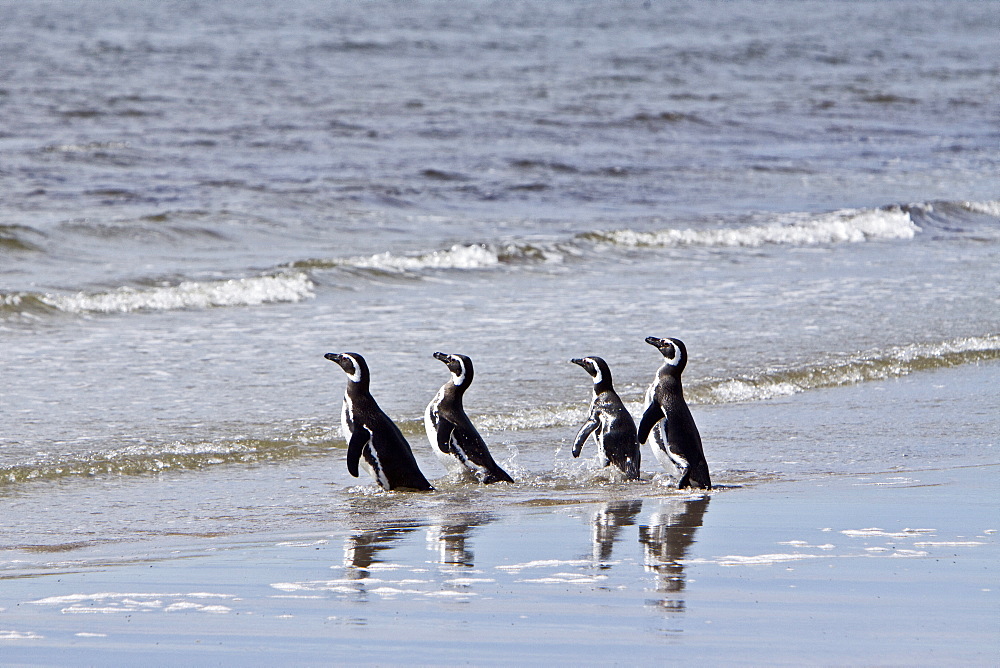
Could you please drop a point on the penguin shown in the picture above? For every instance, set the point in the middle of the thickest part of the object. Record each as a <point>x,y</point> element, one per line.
<point>609,421</point>
<point>676,441</point>
<point>452,435</point>
<point>374,440</point>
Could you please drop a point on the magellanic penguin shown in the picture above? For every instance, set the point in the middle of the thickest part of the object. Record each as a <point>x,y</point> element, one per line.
<point>452,435</point>
<point>609,421</point>
<point>676,441</point>
<point>373,440</point>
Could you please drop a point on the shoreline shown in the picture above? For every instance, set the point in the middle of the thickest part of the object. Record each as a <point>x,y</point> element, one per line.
<point>885,565</point>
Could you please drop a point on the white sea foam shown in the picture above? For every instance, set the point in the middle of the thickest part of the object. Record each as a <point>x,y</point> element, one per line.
<point>19,635</point>
<point>739,390</point>
<point>290,287</point>
<point>878,365</point>
<point>875,531</point>
<point>543,563</point>
<point>540,418</point>
<point>464,582</point>
<point>115,603</point>
<point>474,256</point>
<point>340,586</point>
<point>805,544</point>
<point>754,560</point>
<point>567,578</point>
<point>845,226</point>
<point>989,208</point>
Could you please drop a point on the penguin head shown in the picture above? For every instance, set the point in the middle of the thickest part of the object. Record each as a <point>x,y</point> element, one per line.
<point>597,368</point>
<point>353,364</point>
<point>673,351</point>
<point>460,367</point>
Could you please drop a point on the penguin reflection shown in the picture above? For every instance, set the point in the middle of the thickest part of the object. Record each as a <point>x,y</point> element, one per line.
<point>607,523</point>
<point>362,549</point>
<point>665,544</point>
<point>448,538</point>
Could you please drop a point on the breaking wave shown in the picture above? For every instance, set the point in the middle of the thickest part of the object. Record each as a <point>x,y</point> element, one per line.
<point>285,287</point>
<point>880,365</point>
<point>457,257</point>
<point>846,226</point>
<point>293,282</point>
<point>987,208</point>
<point>149,459</point>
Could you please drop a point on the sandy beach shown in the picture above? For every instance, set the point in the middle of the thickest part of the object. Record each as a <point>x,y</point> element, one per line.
<point>886,567</point>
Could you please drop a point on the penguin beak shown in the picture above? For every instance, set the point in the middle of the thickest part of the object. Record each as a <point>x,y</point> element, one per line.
<point>577,361</point>
<point>653,341</point>
<point>442,357</point>
<point>341,360</point>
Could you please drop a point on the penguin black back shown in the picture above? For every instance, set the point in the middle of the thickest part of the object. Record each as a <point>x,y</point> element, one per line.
<point>676,440</point>
<point>609,421</point>
<point>373,439</point>
<point>450,432</point>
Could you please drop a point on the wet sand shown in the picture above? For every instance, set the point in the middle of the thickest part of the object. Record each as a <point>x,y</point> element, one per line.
<point>892,568</point>
<point>888,567</point>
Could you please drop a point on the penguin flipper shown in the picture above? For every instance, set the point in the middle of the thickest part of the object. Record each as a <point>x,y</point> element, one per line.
<point>444,431</point>
<point>359,439</point>
<point>653,414</point>
<point>586,430</point>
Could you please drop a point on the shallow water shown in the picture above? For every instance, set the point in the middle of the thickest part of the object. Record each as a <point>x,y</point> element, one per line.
<point>768,569</point>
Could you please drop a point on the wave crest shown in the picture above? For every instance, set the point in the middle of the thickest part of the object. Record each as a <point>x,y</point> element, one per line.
<point>457,257</point>
<point>883,365</point>
<point>148,459</point>
<point>291,287</point>
<point>846,226</point>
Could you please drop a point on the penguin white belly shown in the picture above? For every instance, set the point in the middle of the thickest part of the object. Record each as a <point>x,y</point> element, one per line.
<point>451,463</point>
<point>658,437</point>
<point>430,420</point>
<point>658,444</point>
<point>346,418</point>
<point>599,435</point>
<point>376,472</point>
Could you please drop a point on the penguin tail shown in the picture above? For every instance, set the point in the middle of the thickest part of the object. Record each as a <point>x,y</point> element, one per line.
<point>497,476</point>
<point>697,477</point>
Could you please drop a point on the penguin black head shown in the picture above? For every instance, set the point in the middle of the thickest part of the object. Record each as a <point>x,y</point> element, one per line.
<point>460,367</point>
<point>353,364</point>
<point>673,351</point>
<point>597,368</point>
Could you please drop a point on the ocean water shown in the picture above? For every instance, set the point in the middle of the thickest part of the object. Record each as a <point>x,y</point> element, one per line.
<point>199,200</point>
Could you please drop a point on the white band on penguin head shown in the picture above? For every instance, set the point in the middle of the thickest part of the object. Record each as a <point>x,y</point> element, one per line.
<point>598,376</point>
<point>356,376</point>
<point>676,359</point>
